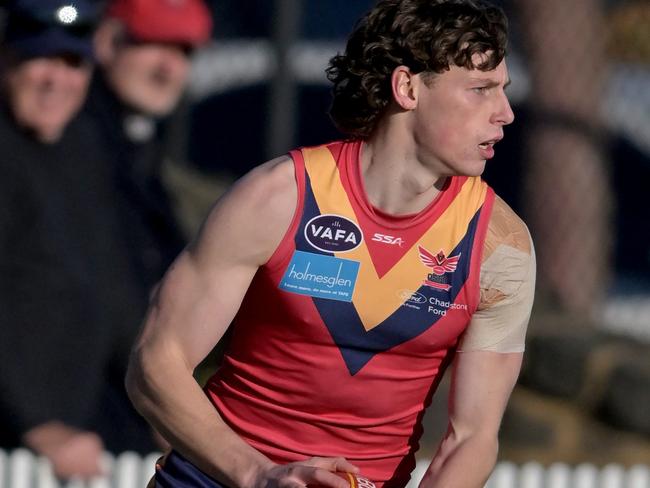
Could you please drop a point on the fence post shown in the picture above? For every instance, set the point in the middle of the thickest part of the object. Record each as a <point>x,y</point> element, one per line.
<point>3,468</point>
<point>21,469</point>
<point>638,476</point>
<point>503,476</point>
<point>585,476</point>
<point>44,475</point>
<point>284,91</point>
<point>531,475</point>
<point>558,476</point>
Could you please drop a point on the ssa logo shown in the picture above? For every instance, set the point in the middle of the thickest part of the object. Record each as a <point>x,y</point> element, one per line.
<point>395,241</point>
<point>333,233</point>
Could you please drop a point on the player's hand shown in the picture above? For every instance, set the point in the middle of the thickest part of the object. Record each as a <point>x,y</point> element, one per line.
<point>72,452</point>
<point>316,471</point>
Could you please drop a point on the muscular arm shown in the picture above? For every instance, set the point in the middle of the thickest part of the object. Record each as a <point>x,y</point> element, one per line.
<point>190,312</point>
<point>489,356</point>
<point>481,385</point>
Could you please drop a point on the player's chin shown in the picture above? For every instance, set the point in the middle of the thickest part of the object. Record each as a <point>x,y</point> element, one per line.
<point>473,168</point>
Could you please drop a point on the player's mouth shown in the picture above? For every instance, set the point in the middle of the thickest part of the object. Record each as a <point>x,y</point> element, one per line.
<point>487,148</point>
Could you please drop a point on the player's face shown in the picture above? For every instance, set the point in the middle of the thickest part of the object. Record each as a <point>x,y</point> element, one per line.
<point>150,77</point>
<point>460,117</point>
<point>45,93</point>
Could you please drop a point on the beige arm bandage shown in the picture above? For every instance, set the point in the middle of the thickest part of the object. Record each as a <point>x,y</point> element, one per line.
<point>507,287</point>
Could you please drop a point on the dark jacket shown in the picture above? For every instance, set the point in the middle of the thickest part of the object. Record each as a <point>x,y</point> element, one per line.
<point>70,304</point>
<point>146,211</point>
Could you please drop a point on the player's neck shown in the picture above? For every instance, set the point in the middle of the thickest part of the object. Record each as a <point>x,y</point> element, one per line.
<point>396,181</point>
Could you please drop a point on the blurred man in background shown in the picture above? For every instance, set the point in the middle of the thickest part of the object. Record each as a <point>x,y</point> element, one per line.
<point>144,52</point>
<point>67,312</point>
<point>47,66</point>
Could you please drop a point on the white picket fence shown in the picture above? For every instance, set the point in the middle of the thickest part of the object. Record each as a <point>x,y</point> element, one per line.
<point>21,469</point>
<point>558,475</point>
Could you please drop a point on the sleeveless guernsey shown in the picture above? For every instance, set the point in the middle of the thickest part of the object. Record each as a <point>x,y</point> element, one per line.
<point>345,333</point>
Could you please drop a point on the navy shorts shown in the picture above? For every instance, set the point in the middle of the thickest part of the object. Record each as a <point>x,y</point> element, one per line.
<point>174,471</point>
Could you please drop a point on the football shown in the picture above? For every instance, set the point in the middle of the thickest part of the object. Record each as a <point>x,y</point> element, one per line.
<point>355,480</point>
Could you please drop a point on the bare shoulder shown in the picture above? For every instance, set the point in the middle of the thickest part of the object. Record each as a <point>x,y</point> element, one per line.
<point>250,219</point>
<point>268,188</point>
<point>506,228</point>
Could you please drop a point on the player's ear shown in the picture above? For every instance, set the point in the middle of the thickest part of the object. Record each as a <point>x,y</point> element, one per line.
<point>403,87</point>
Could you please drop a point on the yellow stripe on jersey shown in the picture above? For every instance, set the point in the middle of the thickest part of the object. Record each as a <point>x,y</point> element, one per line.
<point>382,296</point>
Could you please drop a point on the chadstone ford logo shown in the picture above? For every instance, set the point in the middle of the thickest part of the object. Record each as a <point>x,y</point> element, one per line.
<point>333,233</point>
<point>411,299</point>
<point>440,307</point>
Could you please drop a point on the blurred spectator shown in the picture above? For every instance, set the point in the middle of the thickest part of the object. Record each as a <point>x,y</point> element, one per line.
<point>144,52</point>
<point>67,313</point>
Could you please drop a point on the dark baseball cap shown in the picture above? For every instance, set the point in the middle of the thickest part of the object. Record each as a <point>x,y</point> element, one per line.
<point>37,28</point>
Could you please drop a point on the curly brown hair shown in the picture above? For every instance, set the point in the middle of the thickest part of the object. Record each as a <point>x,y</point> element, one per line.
<point>427,36</point>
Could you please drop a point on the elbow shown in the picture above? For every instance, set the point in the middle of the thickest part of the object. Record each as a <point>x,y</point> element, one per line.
<point>484,442</point>
<point>488,447</point>
<point>134,381</point>
<point>493,448</point>
<point>458,450</point>
<point>140,381</point>
<point>151,364</point>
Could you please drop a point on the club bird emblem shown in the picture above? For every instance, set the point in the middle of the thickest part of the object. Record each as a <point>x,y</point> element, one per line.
<point>439,264</point>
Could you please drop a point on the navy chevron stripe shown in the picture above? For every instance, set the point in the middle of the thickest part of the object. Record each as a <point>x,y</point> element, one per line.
<point>310,211</point>
<point>359,346</point>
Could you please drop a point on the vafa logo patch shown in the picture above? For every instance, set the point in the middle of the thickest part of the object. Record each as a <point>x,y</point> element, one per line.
<point>333,233</point>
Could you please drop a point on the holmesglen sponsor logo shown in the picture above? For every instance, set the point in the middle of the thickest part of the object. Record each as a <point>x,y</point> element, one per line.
<point>333,233</point>
<point>320,276</point>
<point>328,281</point>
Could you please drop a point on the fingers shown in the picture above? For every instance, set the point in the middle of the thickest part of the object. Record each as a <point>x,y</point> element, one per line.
<point>71,452</point>
<point>299,476</point>
<point>315,472</point>
<point>80,456</point>
<point>322,478</point>
<point>332,464</point>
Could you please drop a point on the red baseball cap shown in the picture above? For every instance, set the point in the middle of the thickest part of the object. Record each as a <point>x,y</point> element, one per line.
<point>183,21</point>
